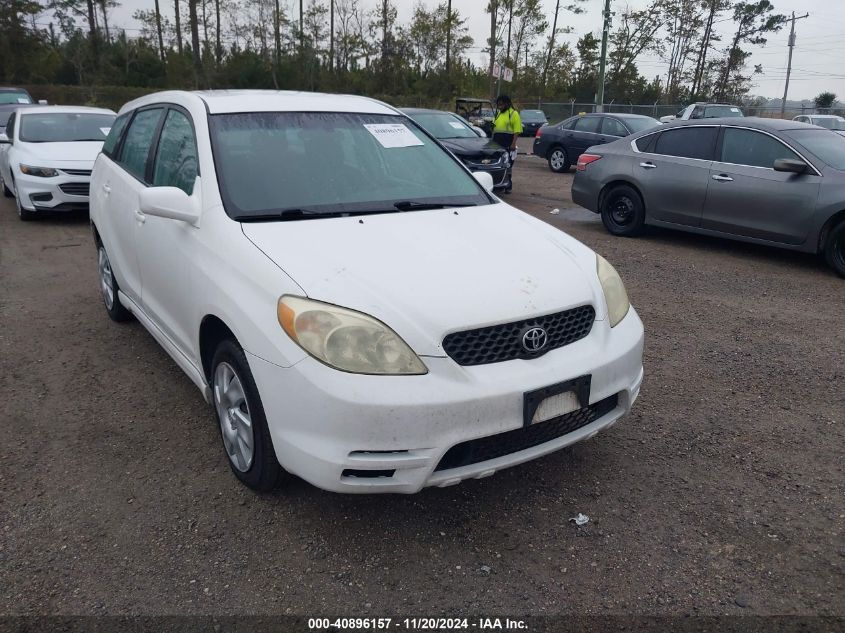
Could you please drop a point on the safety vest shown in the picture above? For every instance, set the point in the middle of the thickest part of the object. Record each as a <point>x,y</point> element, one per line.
<point>507,122</point>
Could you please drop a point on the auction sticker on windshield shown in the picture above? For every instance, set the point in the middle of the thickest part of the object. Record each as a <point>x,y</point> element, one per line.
<point>392,135</point>
<point>456,125</point>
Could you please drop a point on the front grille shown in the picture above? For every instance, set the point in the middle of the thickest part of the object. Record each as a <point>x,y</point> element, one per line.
<point>501,444</point>
<point>498,343</point>
<point>77,172</point>
<point>75,188</point>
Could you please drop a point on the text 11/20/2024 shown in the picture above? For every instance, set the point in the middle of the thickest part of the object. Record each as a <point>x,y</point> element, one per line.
<point>418,624</point>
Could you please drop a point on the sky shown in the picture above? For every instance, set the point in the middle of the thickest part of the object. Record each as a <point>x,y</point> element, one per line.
<point>816,63</point>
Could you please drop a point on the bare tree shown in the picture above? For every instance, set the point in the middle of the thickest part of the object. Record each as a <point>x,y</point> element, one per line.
<point>195,41</point>
<point>178,21</point>
<point>159,33</point>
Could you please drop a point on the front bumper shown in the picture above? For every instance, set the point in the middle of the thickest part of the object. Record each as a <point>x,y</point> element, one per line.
<point>325,423</point>
<point>498,171</point>
<point>65,192</point>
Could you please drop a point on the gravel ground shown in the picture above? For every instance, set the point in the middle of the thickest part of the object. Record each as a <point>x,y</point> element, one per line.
<point>722,492</point>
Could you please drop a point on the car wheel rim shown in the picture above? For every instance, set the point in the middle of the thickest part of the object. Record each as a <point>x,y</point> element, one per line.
<point>839,253</point>
<point>106,279</point>
<point>233,414</point>
<point>557,159</point>
<point>622,210</point>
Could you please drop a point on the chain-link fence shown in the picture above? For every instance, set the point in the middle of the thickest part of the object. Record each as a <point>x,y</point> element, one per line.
<point>562,110</point>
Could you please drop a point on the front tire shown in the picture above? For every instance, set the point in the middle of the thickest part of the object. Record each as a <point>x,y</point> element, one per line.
<point>559,160</point>
<point>109,288</point>
<point>24,214</point>
<point>834,249</point>
<point>6,191</point>
<point>623,212</point>
<point>243,424</point>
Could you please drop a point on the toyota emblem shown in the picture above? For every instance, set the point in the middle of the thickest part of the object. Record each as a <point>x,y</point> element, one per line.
<point>534,339</point>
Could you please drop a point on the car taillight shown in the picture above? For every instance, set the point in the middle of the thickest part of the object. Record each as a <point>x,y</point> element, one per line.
<point>586,159</point>
<point>539,132</point>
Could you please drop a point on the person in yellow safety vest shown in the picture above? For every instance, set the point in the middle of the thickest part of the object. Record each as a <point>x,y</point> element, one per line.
<point>507,126</point>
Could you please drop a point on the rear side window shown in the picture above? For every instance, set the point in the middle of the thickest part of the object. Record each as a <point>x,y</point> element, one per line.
<point>646,143</point>
<point>139,139</point>
<point>687,142</point>
<point>612,127</point>
<point>747,147</point>
<point>176,156</point>
<point>110,144</point>
<point>588,124</point>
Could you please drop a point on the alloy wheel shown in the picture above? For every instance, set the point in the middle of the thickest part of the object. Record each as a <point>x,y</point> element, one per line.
<point>234,417</point>
<point>557,159</point>
<point>106,278</point>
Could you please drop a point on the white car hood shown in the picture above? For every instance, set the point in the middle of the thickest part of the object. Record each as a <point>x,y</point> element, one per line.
<point>428,273</point>
<point>53,154</point>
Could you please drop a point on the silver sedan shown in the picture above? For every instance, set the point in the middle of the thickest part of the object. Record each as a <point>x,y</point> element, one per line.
<point>767,181</point>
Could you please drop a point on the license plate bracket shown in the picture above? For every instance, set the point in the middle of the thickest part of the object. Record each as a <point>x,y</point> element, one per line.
<point>532,399</point>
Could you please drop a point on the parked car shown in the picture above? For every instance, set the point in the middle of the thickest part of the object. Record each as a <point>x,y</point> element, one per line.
<point>14,96</point>
<point>6,111</point>
<point>830,121</point>
<point>532,120</point>
<point>703,110</point>
<point>353,302</point>
<point>456,135</point>
<point>766,181</point>
<point>563,143</point>
<point>48,154</point>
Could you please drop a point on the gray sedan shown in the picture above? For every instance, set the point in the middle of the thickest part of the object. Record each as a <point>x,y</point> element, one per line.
<point>766,181</point>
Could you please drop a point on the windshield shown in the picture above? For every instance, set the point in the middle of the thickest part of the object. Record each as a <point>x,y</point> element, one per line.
<point>443,125</point>
<point>831,123</point>
<point>830,148</point>
<point>717,112</point>
<point>64,127</point>
<point>318,163</point>
<point>533,116</point>
<point>14,96</point>
<point>641,124</point>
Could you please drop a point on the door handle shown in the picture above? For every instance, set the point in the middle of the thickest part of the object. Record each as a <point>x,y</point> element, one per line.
<point>139,215</point>
<point>107,189</point>
<point>722,178</point>
<point>648,165</point>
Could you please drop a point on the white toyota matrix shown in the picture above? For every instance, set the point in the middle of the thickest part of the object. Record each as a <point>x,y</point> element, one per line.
<point>358,308</point>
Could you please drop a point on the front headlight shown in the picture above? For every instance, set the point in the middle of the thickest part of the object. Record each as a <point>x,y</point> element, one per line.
<point>346,340</point>
<point>614,291</point>
<point>41,172</point>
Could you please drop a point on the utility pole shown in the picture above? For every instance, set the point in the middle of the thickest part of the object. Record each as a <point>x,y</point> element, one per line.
<point>507,50</point>
<point>789,63</point>
<point>603,63</point>
<point>448,38</point>
<point>494,8</point>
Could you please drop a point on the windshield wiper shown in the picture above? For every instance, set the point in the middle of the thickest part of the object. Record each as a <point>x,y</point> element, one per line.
<point>286,214</point>
<point>411,205</point>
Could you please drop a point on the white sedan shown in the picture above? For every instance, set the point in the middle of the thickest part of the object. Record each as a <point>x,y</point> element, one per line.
<point>47,154</point>
<point>357,307</point>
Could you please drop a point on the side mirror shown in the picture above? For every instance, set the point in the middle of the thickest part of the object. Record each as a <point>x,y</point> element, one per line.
<point>479,132</point>
<point>169,202</point>
<point>484,179</point>
<point>42,102</point>
<point>4,138</point>
<point>668,118</point>
<point>790,165</point>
